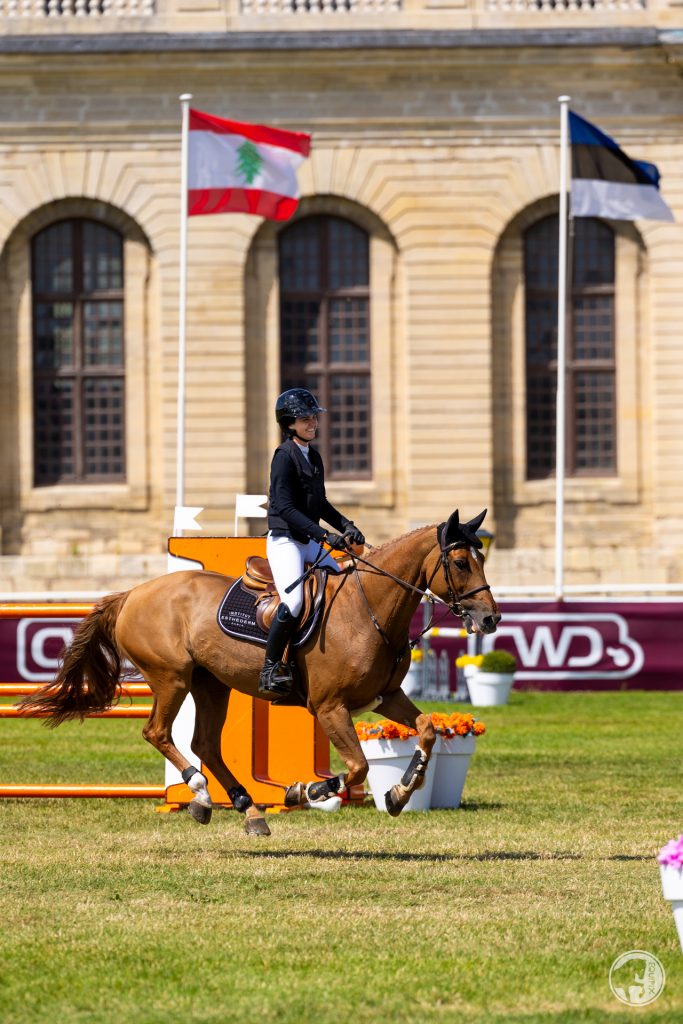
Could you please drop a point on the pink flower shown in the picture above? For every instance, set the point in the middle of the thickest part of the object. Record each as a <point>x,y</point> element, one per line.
<point>672,854</point>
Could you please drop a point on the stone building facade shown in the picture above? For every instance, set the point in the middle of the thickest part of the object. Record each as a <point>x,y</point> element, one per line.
<point>436,138</point>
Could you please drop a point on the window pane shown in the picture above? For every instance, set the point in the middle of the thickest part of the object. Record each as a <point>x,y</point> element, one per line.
<point>78,414</point>
<point>593,252</point>
<point>102,258</point>
<point>593,327</point>
<point>541,329</point>
<point>590,340</point>
<point>103,333</point>
<point>53,269</point>
<point>325,335</point>
<point>103,426</point>
<point>349,428</point>
<point>348,330</point>
<point>54,452</point>
<point>53,335</point>
<point>299,333</point>
<point>300,255</point>
<point>347,255</point>
<point>541,254</point>
<point>541,402</point>
<point>595,407</point>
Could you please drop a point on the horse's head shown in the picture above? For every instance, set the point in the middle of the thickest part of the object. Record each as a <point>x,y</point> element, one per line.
<point>461,582</point>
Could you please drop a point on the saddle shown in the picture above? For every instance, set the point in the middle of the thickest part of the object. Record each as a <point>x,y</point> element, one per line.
<point>249,605</point>
<point>258,582</point>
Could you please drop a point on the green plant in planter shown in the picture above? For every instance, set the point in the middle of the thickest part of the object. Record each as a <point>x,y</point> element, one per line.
<point>498,661</point>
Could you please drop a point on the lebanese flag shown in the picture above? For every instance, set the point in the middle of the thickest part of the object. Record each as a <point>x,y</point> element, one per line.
<point>243,168</point>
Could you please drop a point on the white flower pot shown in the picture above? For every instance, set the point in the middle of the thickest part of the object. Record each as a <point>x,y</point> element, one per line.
<point>412,684</point>
<point>449,764</point>
<point>487,689</point>
<point>672,888</point>
<point>387,761</point>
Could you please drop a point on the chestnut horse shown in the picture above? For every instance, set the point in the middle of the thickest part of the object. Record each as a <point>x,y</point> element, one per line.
<point>356,661</point>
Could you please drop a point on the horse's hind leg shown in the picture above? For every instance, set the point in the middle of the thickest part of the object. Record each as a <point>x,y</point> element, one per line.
<point>339,729</point>
<point>170,690</point>
<point>401,709</point>
<point>211,699</point>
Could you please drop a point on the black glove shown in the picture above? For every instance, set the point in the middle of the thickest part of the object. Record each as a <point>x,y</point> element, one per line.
<point>336,542</point>
<point>353,534</point>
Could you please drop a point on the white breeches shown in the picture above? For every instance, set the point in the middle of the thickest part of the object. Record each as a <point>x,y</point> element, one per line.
<point>287,557</point>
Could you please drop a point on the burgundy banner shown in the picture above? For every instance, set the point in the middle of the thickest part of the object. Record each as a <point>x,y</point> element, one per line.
<point>575,645</point>
<point>589,645</point>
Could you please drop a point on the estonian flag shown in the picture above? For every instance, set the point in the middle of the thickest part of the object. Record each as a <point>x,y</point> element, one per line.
<point>607,183</point>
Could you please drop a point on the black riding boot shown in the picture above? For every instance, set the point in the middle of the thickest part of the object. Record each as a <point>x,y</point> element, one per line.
<point>276,679</point>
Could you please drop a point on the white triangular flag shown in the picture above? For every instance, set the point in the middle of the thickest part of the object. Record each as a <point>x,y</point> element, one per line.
<point>185,517</point>
<point>250,506</point>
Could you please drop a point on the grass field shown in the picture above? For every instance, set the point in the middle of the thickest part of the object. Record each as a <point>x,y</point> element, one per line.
<point>511,909</point>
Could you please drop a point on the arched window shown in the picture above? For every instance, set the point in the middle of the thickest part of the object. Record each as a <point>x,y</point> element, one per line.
<point>78,354</point>
<point>591,374</point>
<point>325,334</point>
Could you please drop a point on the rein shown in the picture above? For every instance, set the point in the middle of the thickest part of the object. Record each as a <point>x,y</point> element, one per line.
<point>454,604</point>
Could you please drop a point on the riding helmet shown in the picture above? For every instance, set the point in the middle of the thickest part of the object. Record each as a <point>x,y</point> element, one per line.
<point>295,403</point>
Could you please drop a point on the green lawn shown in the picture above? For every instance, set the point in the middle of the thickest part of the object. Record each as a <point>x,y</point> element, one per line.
<point>511,909</point>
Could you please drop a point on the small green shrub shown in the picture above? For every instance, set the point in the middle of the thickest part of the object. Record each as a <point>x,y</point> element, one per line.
<point>498,661</point>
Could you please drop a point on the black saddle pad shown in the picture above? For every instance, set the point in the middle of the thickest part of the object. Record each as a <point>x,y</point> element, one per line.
<point>237,616</point>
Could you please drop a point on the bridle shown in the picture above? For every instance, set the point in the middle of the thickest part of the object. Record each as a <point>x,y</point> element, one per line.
<point>454,602</point>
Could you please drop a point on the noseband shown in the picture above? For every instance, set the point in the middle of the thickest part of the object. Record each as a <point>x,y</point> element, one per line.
<point>454,600</point>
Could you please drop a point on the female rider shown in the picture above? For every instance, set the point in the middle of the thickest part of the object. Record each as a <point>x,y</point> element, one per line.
<point>296,504</point>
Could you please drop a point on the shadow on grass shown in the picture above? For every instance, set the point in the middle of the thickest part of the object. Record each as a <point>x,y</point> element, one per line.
<point>486,855</point>
<point>497,855</point>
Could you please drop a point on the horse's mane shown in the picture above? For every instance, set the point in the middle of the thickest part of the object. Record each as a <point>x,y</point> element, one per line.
<point>389,544</point>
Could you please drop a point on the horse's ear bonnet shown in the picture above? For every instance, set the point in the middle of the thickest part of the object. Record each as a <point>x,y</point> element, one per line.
<point>455,532</point>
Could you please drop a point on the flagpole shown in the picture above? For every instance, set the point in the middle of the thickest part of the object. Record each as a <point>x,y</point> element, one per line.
<point>182,308</point>
<point>560,415</point>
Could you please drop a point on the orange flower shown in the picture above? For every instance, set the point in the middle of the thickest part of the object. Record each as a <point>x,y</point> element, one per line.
<point>478,728</point>
<point>384,729</point>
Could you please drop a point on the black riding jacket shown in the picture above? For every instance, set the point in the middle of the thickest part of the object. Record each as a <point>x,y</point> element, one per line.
<point>297,501</point>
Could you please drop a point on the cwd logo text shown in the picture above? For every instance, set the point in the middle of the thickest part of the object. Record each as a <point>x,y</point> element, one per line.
<point>569,645</point>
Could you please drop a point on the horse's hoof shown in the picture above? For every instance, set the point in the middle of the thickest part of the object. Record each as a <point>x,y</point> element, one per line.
<point>295,795</point>
<point>200,812</point>
<point>256,827</point>
<point>394,806</point>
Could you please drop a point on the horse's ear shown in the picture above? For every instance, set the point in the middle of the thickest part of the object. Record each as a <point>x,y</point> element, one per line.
<point>475,523</point>
<point>452,531</point>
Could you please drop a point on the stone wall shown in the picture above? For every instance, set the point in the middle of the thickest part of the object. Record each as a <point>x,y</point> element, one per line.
<point>440,153</point>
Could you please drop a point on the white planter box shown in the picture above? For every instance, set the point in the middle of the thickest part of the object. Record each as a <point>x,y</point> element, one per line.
<point>388,760</point>
<point>446,772</point>
<point>449,764</point>
<point>488,689</point>
<point>672,888</point>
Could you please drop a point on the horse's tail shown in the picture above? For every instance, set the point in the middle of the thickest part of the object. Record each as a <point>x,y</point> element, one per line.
<point>89,671</point>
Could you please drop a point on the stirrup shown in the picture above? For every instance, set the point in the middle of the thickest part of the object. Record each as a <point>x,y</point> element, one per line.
<point>275,680</point>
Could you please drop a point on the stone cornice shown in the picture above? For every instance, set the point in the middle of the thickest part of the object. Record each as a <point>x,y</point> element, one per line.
<point>368,39</point>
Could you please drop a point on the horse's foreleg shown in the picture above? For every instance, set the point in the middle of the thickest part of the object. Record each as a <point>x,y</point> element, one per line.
<point>399,708</point>
<point>337,725</point>
<point>211,698</point>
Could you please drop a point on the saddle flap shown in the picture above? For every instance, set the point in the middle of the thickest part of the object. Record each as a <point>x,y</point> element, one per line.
<point>258,575</point>
<point>245,612</point>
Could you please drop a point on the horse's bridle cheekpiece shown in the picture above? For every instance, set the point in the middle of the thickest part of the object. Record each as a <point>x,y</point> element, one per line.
<point>467,539</point>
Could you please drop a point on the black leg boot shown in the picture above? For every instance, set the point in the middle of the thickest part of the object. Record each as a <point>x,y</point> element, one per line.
<point>276,679</point>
